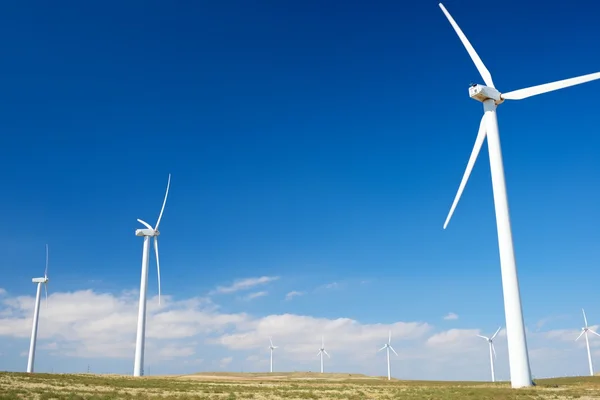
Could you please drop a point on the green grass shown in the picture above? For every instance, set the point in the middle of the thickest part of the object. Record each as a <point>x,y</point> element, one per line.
<point>278,386</point>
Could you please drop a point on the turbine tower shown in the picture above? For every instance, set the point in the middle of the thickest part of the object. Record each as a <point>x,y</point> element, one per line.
<point>520,372</point>
<point>138,367</point>
<point>271,348</point>
<point>322,351</point>
<point>490,340</point>
<point>36,313</point>
<point>389,347</point>
<point>584,331</point>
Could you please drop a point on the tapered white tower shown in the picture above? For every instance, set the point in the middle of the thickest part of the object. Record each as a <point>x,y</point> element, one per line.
<point>271,348</point>
<point>491,98</point>
<point>138,366</point>
<point>584,332</point>
<point>322,351</point>
<point>36,313</point>
<point>490,341</point>
<point>388,347</point>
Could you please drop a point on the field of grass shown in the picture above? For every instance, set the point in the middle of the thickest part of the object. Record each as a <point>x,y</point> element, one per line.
<point>215,386</point>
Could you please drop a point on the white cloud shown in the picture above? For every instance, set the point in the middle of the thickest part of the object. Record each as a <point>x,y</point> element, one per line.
<point>86,325</point>
<point>244,284</point>
<point>255,295</point>
<point>450,316</point>
<point>2,292</point>
<point>328,286</point>
<point>225,362</point>
<point>292,294</point>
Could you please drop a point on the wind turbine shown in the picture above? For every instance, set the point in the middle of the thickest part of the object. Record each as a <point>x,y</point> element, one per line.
<point>36,313</point>
<point>322,351</point>
<point>138,367</point>
<point>520,372</point>
<point>492,351</point>
<point>271,348</point>
<point>389,347</point>
<point>584,331</point>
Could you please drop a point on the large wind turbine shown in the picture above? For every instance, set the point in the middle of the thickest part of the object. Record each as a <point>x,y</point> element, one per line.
<point>389,347</point>
<point>138,367</point>
<point>36,313</point>
<point>322,351</point>
<point>490,340</point>
<point>584,331</point>
<point>520,372</point>
<point>271,348</point>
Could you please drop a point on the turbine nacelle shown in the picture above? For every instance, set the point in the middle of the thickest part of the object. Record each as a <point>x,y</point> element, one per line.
<point>40,280</point>
<point>146,232</point>
<point>482,93</point>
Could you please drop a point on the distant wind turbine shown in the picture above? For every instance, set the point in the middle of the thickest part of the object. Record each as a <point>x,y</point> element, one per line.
<point>490,340</point>
<point>322,351</point>
<point>138,367</point>
<point>584,331</point>
<point>389,347</point>
<point>36,313</point>
<point>271,348</point>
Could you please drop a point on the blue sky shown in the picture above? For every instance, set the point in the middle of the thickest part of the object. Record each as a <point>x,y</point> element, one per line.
<point>316,142</point>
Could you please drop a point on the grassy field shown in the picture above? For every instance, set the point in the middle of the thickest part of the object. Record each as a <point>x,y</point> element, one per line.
<point>278,386</point>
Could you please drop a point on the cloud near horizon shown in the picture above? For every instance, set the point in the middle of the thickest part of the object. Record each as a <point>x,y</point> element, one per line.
<point>185,334</point>
<point>243,284</point>
<point>450,316</point>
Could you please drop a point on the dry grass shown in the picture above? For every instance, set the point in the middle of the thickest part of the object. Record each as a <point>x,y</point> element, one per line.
<point>217,386</point>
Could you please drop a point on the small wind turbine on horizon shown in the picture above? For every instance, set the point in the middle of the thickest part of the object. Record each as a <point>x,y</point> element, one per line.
<point>322,351</point>
<point>138,367</point>
<point>389,347</point>
<point>36,313</point>
<point>490,340</point>
<point>520,371</point>
<point>271,348</point>
<point>584,331</point>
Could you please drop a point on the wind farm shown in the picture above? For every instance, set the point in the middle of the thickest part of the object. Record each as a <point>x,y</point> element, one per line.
<point>312,151</point>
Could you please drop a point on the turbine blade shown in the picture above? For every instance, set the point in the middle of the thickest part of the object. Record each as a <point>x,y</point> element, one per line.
<point>483,71</point>
<point>164,203</point>
<point>322,341</point>
<point>381,349</point>
<point>594,332</point>
<point>319,353</point>
<point>476,148</point>
<point>46,270</point>
<point>390,338</point>
<point>549,87</point>
<point>582,332</point>
<point>496,333</point>
<point>584,318</point>
<point>392,349</point>
<point>484,337</point>
<point>326,353</point>
<point>147,225</point>
<point>157,265</point>
<point>493,350</point>
<point>46,289</point>
<point>270,341</point>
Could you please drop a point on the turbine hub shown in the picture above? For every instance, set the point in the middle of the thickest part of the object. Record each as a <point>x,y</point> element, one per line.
<point>482,93</point>
<point>146,232</point>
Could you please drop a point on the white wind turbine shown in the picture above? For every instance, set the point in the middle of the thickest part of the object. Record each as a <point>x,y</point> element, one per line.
<point>322,351</point>
<point>271,348</point>
<point>490,340</point>
<point>36,313</point>
<point>520,371</point>
<point>138,367</point>
<point>389,347</point>
<point>584,331</point>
